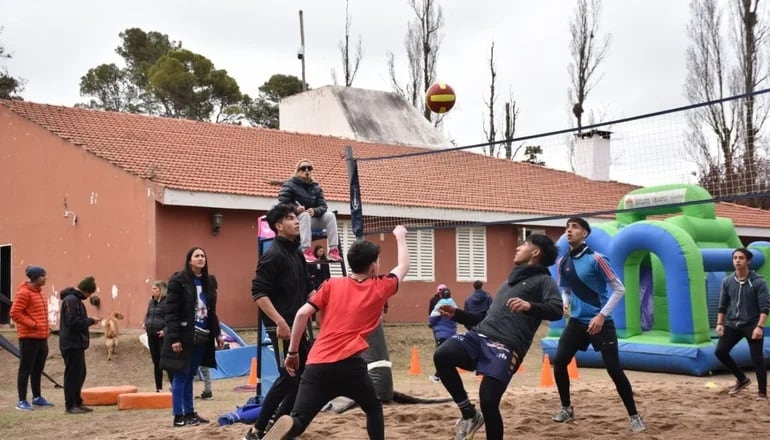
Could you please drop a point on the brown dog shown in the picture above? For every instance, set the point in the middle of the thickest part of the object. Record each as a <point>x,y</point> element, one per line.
<point>111,332</point>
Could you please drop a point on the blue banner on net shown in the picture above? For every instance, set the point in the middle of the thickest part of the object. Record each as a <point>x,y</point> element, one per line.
<point>356,210</point>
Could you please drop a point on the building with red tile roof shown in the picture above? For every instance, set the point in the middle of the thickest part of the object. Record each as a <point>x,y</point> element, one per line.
<point>138,191</point>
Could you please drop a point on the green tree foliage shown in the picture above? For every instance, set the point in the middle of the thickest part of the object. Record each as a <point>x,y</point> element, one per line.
<point>111,88</point>
<point>142,50</point>
<point>10,87</point>
<point>188,86</point>
<point>162,78</point>
<point>263,110</point>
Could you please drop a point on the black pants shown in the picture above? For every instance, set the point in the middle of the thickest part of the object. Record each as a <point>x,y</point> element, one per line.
<point>727,341</point>
<point>155,343</point>
<point>74,376</point>
<point>280,399</point>
<point>575,337</point>
<point>321,383</point>
<point>450,355</point>
<point>34,352</point>
<point>438,344</point>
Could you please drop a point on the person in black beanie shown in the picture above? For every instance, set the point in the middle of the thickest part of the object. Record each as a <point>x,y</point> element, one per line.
<point>74,340</point>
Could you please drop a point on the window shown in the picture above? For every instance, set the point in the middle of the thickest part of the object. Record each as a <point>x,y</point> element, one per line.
<point>347,238</point>
<point>525,232</point>
<point>420,245</point>
<point>471,250</point>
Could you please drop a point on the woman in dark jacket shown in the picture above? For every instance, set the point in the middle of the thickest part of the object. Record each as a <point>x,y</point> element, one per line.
<point>154,323</point>
<point>192,328</point>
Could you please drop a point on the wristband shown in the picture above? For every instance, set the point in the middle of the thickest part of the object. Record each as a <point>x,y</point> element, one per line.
<point>761,327</point>
<point>719,323</point>
<point>292,353</point>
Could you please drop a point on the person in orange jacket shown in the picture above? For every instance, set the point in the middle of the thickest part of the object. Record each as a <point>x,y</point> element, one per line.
<point>30,313</point>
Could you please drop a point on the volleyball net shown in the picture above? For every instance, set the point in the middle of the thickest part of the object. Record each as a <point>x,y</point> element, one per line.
<point>542,178</point>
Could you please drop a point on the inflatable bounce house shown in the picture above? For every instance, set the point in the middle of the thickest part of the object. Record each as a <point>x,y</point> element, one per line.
<point>672,269</point>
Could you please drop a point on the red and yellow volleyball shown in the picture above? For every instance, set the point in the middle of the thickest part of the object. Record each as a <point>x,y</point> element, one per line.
<point>440,98</point>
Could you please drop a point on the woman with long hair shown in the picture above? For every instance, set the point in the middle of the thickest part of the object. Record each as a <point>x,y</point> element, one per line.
<point>192,329</point>
<point>154,323</point>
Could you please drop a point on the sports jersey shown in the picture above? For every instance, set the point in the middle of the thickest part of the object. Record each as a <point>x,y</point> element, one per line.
<point>351,311</point>
<point>587,275</point>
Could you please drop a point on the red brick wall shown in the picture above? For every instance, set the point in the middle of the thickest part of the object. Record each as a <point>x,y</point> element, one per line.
<point>38,171</point>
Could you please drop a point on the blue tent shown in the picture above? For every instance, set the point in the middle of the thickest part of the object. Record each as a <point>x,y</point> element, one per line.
<point>236,362</point>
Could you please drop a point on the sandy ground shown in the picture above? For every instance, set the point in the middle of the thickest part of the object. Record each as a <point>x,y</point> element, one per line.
<point>674,406</point>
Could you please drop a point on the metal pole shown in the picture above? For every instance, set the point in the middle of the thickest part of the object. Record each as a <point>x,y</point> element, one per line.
<point>301,55</point>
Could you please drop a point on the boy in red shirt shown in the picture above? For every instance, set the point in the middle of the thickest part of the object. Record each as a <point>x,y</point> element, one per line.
<point>351,309</point>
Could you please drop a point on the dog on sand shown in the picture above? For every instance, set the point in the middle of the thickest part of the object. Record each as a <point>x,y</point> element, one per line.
<point>111,332</point>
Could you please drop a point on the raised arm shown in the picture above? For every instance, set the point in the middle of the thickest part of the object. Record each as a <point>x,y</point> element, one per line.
<point>403,253</point>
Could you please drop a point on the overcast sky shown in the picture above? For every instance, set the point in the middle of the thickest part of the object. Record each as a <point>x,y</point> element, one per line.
<point>55,42</point>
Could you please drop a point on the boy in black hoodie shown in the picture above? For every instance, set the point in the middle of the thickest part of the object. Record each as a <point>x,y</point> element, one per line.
<point>73,342</point>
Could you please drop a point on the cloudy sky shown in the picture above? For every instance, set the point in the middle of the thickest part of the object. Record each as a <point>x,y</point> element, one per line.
<point>55,42</point>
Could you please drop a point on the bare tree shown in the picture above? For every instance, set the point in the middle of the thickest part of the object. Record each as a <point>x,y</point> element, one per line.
<point>490,132</point>
<point>587,51</point>
<point>723,138</point>
<point>750,37</point>
<point>422,43</point>
<point>349,65</point>
<point>509,122</point>
<point>707,73</point>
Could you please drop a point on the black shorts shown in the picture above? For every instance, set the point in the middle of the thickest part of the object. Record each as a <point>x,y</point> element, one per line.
<point>575,334</point>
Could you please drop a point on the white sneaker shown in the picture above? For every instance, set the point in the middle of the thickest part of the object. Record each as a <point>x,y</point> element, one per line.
<point>637,424</point>
<point>465,428</point>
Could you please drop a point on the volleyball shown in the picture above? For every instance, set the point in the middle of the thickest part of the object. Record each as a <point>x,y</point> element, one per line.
<point>440,98</point>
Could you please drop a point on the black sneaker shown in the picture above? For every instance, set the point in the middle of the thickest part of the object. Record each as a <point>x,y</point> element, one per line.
<point>86,408</point>
<point>739,385</point>
<point>75,410</point>
<point>206,395</point>
<point>180,420</point>
<point>195,420</point>
<point>252,435</point>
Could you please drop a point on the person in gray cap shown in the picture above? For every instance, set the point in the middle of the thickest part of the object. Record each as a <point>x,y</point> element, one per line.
<point>30,313</point>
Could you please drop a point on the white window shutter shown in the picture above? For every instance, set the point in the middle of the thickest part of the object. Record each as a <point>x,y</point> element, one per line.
<point>471,252</point>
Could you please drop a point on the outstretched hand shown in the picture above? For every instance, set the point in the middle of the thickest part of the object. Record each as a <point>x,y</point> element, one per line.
<point>399,231</point>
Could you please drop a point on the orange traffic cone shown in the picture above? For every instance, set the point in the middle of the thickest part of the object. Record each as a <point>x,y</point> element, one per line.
<point>572,370</point>
<point>546,374</point>
<point>414,364</point>
<point>253,373</point>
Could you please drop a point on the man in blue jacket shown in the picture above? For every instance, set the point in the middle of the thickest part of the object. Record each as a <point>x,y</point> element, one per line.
<point>744,304</point>
<point>584,276</point>
<point>479,301</point>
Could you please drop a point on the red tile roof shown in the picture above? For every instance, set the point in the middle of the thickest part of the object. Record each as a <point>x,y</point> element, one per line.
<point>200,156</point>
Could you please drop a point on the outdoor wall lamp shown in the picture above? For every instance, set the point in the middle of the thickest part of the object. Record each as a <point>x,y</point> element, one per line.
<point>216,223</point>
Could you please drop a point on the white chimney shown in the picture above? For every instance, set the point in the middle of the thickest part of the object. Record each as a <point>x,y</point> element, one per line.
<point>592,154</point>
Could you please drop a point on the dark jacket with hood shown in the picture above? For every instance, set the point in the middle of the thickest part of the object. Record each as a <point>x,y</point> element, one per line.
<point>531,283</point>
<point>478,302</point>
<point>74,322</point>
<point>742,303</point>
<point>308,194</point>
<point>282,276</point>
<point>181,300</point>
